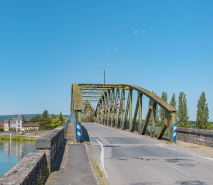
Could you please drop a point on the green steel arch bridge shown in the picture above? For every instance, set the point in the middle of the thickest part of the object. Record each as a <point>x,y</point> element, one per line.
<point>108,95</point>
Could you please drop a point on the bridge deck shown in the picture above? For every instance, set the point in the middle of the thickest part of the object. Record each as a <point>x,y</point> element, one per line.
<point>128,158</point>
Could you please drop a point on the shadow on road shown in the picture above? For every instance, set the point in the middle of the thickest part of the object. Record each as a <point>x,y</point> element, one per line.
<point>85,134</point>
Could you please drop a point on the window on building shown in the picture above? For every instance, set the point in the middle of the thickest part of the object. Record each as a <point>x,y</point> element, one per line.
<point>18,121</point>
<point>18,125</point>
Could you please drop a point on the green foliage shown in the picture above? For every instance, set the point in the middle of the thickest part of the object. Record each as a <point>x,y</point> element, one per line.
<point>162,111</point>
<point>50,122</point>
<point>16,138</point>
<point>173,101</point>
<point>34,119</point>
<point>61,118</point>
<point>53,116</point>
<point>46,171</point>
<point>183,118</point>
<point>44,120</point>
<point>18,130</point>
<point>1,129</point>
<point>202,113</point>
<point>57,122</point>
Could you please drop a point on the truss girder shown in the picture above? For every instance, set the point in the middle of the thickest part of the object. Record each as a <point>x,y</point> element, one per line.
<point>108,93</point>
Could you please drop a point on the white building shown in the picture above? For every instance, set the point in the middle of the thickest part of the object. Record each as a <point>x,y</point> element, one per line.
<point>14,123</point>
<point>30,125</point>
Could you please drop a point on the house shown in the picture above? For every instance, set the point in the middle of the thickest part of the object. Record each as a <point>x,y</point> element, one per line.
<point>14,123</point>
<point>2,124</point>
<point>30,125</point>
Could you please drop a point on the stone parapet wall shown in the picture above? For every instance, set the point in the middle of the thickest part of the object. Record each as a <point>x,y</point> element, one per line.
<point>27,171</point>
<point>198,136</point>
<point>50,143</point>
<point>31,167</point>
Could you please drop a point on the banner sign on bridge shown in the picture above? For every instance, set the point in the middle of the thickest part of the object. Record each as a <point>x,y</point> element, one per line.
<point>117,104</point>
<point>108,106</point>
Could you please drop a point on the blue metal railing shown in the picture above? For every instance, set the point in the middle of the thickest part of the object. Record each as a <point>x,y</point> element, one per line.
<point>65,127</point>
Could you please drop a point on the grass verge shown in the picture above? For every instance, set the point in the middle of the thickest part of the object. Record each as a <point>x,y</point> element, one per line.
<point>100,172</point>
<point>17,138</point>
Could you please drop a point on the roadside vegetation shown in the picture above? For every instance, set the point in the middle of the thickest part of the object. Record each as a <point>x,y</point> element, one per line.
<point>99,171</point>
<point>182,112</point>
<point>48,122</point>
<point>16,138</point>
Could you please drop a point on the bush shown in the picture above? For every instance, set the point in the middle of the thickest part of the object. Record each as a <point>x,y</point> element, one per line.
<point>1,129</point>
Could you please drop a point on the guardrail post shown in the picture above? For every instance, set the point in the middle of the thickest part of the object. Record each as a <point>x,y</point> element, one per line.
<point>174,131</point>
<point>172,121</point>
<point>78,131</point>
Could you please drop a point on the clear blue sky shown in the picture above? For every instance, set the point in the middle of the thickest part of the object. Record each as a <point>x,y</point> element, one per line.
<point>45,46</point>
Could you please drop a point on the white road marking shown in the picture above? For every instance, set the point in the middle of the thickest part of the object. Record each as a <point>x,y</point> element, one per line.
<point>102,157</point>
<point>166,147</point>
<point>201,156</point>
<point>179,170</point>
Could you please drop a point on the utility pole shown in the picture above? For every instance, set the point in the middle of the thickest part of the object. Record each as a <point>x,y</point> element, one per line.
<point>104,76</point>
<point>104,68</point>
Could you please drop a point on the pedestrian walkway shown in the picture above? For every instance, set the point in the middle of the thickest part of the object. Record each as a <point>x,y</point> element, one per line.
<point>74,165</point>
<point>75,169</point>
<point>70,136</point>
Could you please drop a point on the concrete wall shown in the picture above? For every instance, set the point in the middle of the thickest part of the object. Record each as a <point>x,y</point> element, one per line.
<point>32,166</point>
<point>27,171</point>
<point>199,136</point>
<point>50,143</point>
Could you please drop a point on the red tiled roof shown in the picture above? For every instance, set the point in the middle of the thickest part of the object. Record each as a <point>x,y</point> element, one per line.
<point>1,124</point>
<point>28,124</point>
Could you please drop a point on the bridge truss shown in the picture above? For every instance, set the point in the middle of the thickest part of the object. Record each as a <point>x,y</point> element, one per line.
<point>106,96</point>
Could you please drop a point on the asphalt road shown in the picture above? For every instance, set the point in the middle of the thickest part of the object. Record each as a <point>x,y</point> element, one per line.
<point>127,158</point>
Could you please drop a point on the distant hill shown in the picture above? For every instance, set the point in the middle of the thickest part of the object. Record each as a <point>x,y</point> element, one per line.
<point>26,116</point>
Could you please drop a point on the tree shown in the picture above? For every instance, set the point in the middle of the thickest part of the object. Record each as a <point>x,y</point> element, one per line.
<point>34,119</point>
<point>173,102</point>
<point>202,113</point>
<point>53,116</point>
<point>44,120</point>
<point>162,111</point>
<point>183,118</point>
<point>61,118</point>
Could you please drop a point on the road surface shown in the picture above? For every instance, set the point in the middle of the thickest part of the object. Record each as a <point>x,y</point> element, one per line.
<point>130,159</point>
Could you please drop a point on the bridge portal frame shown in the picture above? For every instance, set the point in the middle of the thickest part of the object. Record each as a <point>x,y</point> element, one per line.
<point>108,96</point>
